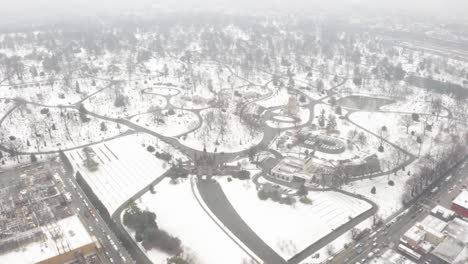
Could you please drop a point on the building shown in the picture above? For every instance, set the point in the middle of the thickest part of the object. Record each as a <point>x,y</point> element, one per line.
<point>443,213</point>
<point>460,204</point>
<point>303,171</point>
<point>425,235</point>
<point>458,229</point>
<point>65,241</point>
<point>391,257</point>
<point>451,251</point>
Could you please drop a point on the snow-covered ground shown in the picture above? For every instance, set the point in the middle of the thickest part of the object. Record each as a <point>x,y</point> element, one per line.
<point>388,198</point>
<point>125,167</point>
<point>179,213</point>
<point>35,130</point>
<point>180,122</point>
<point>285,121</point>
<point>335,247</point>
<point>283,227</point>
<point>278,98</point>
<point>399,135</point>
<point>222,132</point>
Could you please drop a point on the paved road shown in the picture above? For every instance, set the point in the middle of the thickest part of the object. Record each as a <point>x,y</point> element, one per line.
<point>324,241</point>
<point>389,235</point>
<point>214,197</point>
<point>92,219</point>
<point>138,255</point>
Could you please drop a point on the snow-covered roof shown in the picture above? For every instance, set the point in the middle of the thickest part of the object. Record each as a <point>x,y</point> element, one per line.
<point>415,233</point>
<point>458,229</point>
<point>449,250</point>
<point>462,258</point>
<point>442,211</point>
<point>289,165</point>
<point>63,236</point>
<point>462,199</point>
<point>391,257</point>
<point>431,223</point>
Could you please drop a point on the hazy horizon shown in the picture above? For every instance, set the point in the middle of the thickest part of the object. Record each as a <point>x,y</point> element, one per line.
<point>25,9</point>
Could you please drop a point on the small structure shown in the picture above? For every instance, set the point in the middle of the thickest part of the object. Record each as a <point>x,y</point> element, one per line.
<point>443,213</point>
<point>460,204</point>
<point>308,171</point>
<point>425,235</point>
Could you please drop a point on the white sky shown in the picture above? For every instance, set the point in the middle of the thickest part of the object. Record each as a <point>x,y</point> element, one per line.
<point>22,8</point>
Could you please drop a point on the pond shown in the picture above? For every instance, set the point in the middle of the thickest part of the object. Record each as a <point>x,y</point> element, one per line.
<point>363,102</point>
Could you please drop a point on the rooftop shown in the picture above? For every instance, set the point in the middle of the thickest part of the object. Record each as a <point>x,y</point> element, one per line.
<point>65,235</point>
<point>458,229</point>
<point>433,223</point>
<point>462,199</point>
<point>442,211</point>
<point>415,233</point>
<point>449,250</point>
<point>391,257</point>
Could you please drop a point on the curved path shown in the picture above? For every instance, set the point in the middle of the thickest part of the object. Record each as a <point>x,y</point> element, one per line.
<point>214,197</point>
<point>211,192</point>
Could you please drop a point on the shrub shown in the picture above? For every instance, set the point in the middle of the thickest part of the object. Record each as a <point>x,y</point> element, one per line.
<point>305,200</point>
<point>373,190</point>
<point>381,148</point>
<point>288,200</point>
<point>150,149</point>
<point>391,183</point>
<point>275,196</point>
<point>163,156</point>
<point>262,195</point>
<point>157,238</point>
<point>242,175</point>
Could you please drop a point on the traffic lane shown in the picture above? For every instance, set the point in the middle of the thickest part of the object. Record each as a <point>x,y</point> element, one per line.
<point>94,222</point>
<point>94,228</point>
<point>413,215</point>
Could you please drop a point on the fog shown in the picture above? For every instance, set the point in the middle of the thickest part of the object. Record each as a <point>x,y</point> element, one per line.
<point>19,9</point>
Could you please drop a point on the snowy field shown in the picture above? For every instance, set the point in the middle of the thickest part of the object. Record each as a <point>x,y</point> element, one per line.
<point>125,167</point>
<point>438,138</point>
<point>230,134</point>
<point>283,227</point>
<point>278,98</point>
<point>388,198</point>
<point>179,123</point>
<point>335,247</point>
<point>201,237</point>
